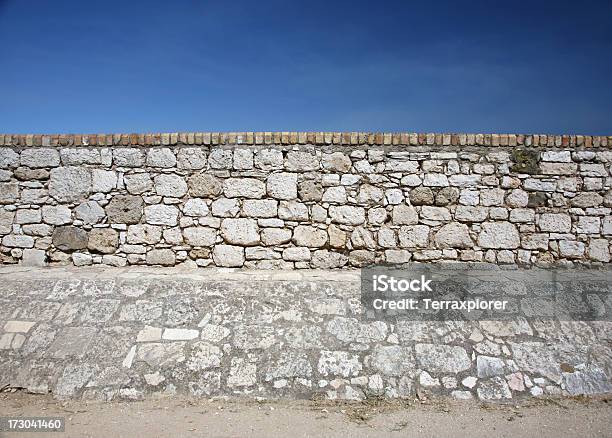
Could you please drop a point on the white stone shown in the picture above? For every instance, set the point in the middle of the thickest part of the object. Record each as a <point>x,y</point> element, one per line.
<point>453,235</point>
<point>17,241</point>
<point>498,235</point>
<point>261,208</point>
<point>435,180</point>
<point>405,215</point>
<point>161,157</point>
<point>90,212</point>
<point>435,213</point>
<point>191,158</point>
<point>228,255</point>
<point>40,157</point>
<point>241,231</point>
<point>170,185</point>
<point>18,326</point>
<point>243,159</point>
<point>224,207</point>
<point>200,236</point>
<point>138,183</point>
<point>296,254</point>
<point>293,211</point>
<point>161,214</point>
<point>555,222</point>
<point>244,188</point>
<point>103,180</point>
<point>309,236</point>
<point>195,207</point>
<point>128,157</point>
<point>282,185</point>
<point>346,214</point>
<point>33,257</point>
<point>414,236</point>
<point>571,248</point>
<point>178,334</point>
<point>143,233</point>
<point>336,194</point>
<point>149,334</point>
<point>70,184</point>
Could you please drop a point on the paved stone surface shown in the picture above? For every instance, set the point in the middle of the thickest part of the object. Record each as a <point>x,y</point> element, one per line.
<point>125,333</point>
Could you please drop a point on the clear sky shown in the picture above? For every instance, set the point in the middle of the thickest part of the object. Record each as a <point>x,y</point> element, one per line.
<point>150,66</point>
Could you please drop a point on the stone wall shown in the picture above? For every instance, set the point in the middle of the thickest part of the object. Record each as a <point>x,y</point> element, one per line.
<point>304,200</point>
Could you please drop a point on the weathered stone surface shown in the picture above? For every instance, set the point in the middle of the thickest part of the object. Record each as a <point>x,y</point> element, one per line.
<point>161,157</point>
<point>40,157</point>
<point>164,257</point>
<point>56,214</point>
<point>494,389</point>
<point>296,254</point>
<point>195,207</point>
<point>6,221</point>
<point>143,233</point>
<point>325,259</point>
<point>68,238</point>
<point>442,358</point>
<point>499,235</point>
<point>453,235</point>
<point>293,211</point>
<point>311,191</point>
<point>244,188</point>
<point>103,240</point>
<point>33,257</point>
<point>275,236</point>
<point>260,208</point>
<point>447,195</point>
<point>205,186</point>
<point>421,196</point>
<point>200,236</point>
<point>589,199</point>
<point>414,236</point>
<point>9,192</point>
<point>309,236</point>
<point>124,209</point>
<point>225,207</point>
<point>282,185</point>
<point>298,161</point>
<point>8,158</point>
<point>336,162</point>
<point>405,215</point>
<point>392,360</point>
<point>240,231</point>
<point>161,215</point>
<point>128,157</point>
<point>70,184</point>
<point>103,180</point>
<point>191,158</point>
<point>90,212</point>
<point>17,241</point>
<point>138,183</point>
<point>170,185</point>
<point>228,255</point>
<point>555,222</point>
<point>346,214</point>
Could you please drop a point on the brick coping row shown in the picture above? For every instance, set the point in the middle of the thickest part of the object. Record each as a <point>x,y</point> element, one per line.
<point>312,138</point>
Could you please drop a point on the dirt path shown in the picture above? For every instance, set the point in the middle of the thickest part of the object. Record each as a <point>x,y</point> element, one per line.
<point>220,418</point>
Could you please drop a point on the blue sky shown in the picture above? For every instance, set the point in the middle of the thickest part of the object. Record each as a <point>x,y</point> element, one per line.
<point>475,66</point>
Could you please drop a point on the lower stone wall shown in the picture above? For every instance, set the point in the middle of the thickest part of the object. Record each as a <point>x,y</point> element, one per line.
<point>129,334</point>
<point>291,206</point>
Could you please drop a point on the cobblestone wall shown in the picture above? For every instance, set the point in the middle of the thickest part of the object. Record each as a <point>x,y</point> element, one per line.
<point>304,200</point>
